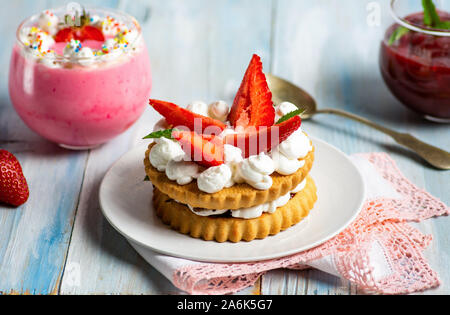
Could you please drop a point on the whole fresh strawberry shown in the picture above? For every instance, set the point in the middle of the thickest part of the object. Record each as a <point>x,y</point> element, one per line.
<point>13,185</point>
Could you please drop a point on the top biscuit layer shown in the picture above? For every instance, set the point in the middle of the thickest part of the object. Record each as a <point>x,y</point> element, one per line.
<point>237,197</point>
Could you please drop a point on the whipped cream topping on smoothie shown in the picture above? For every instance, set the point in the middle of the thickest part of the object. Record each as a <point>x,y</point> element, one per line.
<point>75,52</point>
<point>39,41</point>
<point>48,22</point>
<point>167,156</point>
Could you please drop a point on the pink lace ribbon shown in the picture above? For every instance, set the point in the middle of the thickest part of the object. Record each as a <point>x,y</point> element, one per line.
<point>381,225</point>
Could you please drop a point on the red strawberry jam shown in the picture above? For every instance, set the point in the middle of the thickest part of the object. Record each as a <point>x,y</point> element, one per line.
<point>416,68</point>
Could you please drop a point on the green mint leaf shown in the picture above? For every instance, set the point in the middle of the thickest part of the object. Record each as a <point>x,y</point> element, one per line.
<point>161,134</point>
<point>397,34</point>
<point>146,179</point>
<point>445,25</point>
<point>290,115</point>
<point>430,15</point>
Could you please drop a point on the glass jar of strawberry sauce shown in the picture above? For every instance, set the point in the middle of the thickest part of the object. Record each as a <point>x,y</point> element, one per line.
<point>80,79</point>
<point>415,57</point>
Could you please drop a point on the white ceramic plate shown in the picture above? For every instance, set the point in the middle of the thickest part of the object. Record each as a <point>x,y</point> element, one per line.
<point>125,200</point>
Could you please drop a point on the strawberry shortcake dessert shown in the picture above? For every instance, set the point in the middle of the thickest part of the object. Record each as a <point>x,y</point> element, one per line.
<point>231,174</point>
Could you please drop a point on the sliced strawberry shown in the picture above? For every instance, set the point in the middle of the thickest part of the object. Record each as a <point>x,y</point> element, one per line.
<point>180,117</point>
<point>264,139</point>
<point>65,35</point>
<point>253,104</point>
<point>82,34</point>
<point>13,185</point>
<point>206,151</point>
<point>91,33</point>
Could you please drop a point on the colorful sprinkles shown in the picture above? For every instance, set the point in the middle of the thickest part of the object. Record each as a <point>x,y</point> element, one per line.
<point>39,41</point>
<point>75,44</point>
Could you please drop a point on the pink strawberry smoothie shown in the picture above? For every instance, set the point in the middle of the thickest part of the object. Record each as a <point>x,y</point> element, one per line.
<point>80,107</point>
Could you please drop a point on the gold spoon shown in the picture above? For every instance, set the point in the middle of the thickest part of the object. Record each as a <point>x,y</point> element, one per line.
<point>284,91</point>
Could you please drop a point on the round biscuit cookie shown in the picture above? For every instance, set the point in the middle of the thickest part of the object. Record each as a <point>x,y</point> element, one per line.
<point>223,229</point>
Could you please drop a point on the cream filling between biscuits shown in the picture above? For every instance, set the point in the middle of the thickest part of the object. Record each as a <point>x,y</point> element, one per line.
<point>253,212</point>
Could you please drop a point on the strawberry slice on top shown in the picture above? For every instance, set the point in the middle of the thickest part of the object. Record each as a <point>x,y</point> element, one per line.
<point>92,33</point>
<point>253,104</point>
<point>264,139</point>
<point>65,35</point>
<point>207,151</point>
<point>180,117</point>
<point>82,34</point>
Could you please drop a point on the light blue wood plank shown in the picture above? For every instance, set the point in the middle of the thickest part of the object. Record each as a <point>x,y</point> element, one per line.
<point>284,282</point>
<point>320,283</point>
<point>35,238</point>
<point>312,282</point>
<point>100,260</point>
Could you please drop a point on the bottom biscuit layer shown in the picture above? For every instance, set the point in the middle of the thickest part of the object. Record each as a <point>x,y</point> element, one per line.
<point>220,229</point>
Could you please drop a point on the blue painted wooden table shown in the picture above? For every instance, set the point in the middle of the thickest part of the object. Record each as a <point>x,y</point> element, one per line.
<point>59,243</point>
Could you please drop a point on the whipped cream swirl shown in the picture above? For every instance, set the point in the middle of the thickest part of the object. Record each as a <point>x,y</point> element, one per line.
<point>75,51</point>
<point>253,212</point>
<point>37,41</point>
<point>214,179</point>
<point>283,109</point>
<point>287,155</point>
<point>219,110</point>
<point>48,22</point>
<point>183,172</point>
<point>198,107</point>
<point>256,171</point>
<point>163,152</point>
